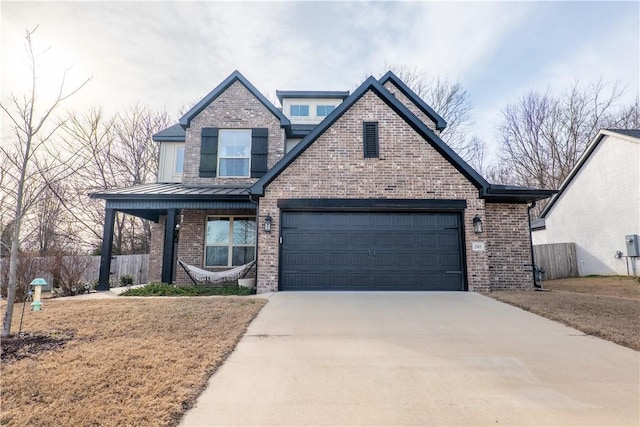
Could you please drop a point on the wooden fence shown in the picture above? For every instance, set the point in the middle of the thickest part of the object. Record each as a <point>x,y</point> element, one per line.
<point>558,260</point>
<point>136,266</point>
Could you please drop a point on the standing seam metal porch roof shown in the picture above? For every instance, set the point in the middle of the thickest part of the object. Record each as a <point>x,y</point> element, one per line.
<point>173,191</point>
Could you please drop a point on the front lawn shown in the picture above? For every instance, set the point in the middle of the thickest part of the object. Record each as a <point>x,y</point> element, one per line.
<point>115,362</point>
<point>606,307</point>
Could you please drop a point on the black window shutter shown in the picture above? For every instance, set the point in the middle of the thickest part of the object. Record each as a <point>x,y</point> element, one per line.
<point>259,151</point>
<point>370,136</point>
<point>208,152</point>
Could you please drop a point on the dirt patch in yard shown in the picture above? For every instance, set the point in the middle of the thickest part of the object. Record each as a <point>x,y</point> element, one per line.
<point>606,307</point>
<point>124,361</point>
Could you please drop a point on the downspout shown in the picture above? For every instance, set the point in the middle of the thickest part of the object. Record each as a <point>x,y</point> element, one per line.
<point>251,199</point>
<point>533,261</point>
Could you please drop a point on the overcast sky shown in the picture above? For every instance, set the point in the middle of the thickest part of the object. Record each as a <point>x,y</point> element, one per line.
<point>169,54</point>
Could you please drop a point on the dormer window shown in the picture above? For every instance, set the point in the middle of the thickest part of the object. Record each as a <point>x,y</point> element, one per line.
<point>234,153</point>
<point>298,110</point>
<point>324,110</point>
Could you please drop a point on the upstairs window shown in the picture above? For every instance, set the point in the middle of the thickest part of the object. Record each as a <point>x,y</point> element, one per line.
<point>299,110</point>
<point>234,153</point>
<point>370,136</point>
<point>324,110</point>
<point>179,164</point>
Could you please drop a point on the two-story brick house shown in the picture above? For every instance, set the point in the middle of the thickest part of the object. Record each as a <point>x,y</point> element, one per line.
<point>333,191</point>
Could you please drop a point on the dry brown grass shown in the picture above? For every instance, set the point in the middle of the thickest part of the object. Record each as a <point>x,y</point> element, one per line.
<point>606,307</point>
<point>128,362</point>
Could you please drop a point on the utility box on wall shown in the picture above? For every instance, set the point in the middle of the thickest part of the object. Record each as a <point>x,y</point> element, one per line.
<point>633,247</point>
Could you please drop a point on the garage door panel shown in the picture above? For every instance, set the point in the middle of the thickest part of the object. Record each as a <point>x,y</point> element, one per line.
<point>427,240</point>
<point>360,239</point>
<point>314,239</point>
<point>371,251</point>
<point>424,221</point>
<point>452,262</point>
<point>339,239</point>
<point>450,240</point>
<point>447,221</point>
<point>293,259</point>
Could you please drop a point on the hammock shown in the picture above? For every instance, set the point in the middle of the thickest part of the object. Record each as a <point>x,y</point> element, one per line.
<point>206,277</point>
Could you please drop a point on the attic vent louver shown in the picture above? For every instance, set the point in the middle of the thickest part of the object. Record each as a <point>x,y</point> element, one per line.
<point>370,136</point>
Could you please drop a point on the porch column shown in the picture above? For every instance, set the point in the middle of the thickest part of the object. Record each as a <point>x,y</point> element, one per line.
<point>105,253</point>
<point>167,254</point>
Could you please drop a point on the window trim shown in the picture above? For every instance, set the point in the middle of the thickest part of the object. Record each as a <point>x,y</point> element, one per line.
<point>230,245</point>
<point>220,157</point>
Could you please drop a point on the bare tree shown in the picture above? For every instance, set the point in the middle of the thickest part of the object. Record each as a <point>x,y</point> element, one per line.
<point>543,136</point>
<point>32,129</point>
<point>116,152</point>
<point>627,117</point>
<point>451,101</point>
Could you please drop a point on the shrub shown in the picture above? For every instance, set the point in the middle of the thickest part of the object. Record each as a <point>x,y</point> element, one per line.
<point>68,273</point>
<point>165,289</point>
<point>126,280</point>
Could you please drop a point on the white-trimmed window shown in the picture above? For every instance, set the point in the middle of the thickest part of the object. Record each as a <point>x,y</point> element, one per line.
<point>230,241</point>
<point>234,153</point>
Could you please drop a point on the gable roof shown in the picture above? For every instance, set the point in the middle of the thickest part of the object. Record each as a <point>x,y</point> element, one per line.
<point>493,193</point>
<point>371,84</point>
<point>628,134</point>
<point>173,133</point>
<point>236,76</point>
<point>419,102</point>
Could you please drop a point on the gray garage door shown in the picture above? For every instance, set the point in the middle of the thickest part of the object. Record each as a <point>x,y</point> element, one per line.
<point>371,251</point>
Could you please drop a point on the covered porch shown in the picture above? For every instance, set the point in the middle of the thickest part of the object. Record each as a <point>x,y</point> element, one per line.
<point>166,205</point>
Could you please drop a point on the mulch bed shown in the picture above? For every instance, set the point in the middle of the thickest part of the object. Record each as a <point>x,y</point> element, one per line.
<point>28,345</point>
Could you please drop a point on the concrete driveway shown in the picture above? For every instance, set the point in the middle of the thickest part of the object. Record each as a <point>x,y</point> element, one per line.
<point>428,359</point>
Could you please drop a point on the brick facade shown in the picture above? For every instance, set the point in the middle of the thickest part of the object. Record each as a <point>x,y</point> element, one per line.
<point>191,242</point>
<point>411,106</point>
<point>235,108</point>
<point>334,167</point>
<point>155,255</point>
<point>508,246</point>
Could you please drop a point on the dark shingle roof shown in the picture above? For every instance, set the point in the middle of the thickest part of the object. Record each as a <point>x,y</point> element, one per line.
<point>629,132</point>
<point>174,133</point>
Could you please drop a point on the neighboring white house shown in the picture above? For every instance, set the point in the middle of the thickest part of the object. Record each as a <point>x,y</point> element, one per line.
<point>598,205</point>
